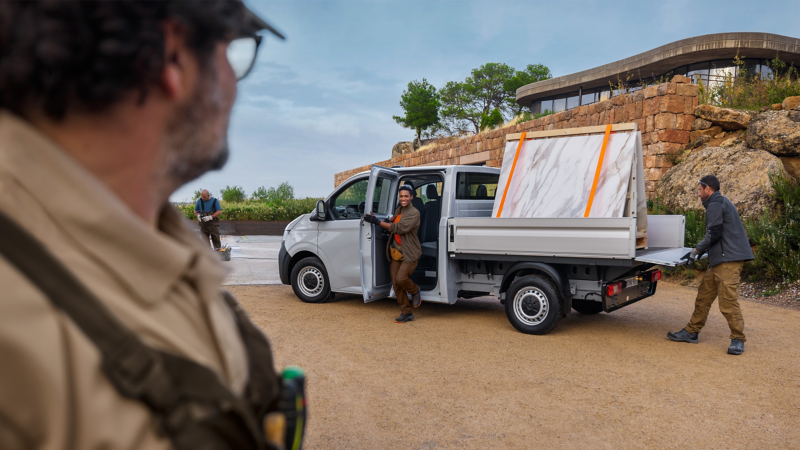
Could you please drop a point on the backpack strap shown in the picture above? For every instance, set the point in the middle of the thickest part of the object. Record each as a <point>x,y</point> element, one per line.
<point>190,403</point>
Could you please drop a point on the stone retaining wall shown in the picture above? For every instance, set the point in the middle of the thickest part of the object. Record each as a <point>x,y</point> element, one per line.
<point>663,113</point>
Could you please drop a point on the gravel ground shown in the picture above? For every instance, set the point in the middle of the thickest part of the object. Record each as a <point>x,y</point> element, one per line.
<point>774,293</point>
<point>461,377</point>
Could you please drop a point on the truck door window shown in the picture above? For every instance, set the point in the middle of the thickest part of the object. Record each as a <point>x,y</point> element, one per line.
<point>349,203</point>
<point>476,186</point>
<point>380,202</point>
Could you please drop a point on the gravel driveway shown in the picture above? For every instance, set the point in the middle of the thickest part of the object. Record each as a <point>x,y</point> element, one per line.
<point>461,377</point>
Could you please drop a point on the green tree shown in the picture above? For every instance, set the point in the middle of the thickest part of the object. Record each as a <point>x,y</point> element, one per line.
<point>233,194</point>
<point>283,193</point>
<point>421,105</point>
<point>532,74</point>
<point>480,93</point>
<point>491,120</point>
<point>259,194</point>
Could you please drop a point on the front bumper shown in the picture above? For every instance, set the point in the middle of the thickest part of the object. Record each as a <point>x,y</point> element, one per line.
<point>283,264</point>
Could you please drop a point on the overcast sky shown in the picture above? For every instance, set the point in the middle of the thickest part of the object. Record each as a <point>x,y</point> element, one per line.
<point>322,101</point>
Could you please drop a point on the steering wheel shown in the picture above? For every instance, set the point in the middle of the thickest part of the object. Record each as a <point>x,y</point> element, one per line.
<point>361,207</point>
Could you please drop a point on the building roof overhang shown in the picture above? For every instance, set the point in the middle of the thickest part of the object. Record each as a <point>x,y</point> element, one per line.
<point>667,57</point>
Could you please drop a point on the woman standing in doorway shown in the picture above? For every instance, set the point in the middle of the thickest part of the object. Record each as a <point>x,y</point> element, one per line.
<point>403,251</point>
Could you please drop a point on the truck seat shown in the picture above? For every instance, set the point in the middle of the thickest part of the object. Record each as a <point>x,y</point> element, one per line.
<point>431,215</point>
<point>481,193</point>
<point>429,249</point>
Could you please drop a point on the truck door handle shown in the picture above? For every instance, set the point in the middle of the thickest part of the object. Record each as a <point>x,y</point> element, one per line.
<point>452,233</point>
<point>369,237</point>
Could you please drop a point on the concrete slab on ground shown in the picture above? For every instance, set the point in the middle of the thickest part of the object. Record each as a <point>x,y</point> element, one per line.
<point>254,260</point>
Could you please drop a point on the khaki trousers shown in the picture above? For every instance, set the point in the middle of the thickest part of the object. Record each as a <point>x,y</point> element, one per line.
<point>720,281</point>
<point>211,229</point>
<point>403,286</point>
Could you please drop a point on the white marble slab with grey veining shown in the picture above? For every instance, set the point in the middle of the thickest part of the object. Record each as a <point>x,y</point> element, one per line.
<point>553,177</point>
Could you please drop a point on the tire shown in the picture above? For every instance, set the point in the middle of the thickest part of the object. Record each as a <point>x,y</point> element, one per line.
<point>533,305</point>
<point>587,306</point>
<point>310,280</point>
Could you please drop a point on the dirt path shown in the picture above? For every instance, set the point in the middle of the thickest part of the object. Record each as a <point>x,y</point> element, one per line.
<point>461,377</point>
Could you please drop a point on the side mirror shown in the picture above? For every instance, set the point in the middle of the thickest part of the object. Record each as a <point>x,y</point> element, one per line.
<point>320,212</point>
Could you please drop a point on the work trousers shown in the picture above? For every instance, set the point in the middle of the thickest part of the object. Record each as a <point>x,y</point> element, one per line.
<point>403,286</point>
<point>720,281</point>
<point>211,229</point>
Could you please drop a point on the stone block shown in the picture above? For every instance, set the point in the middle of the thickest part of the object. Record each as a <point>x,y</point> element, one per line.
<point>672,104</point>
<point>619,114</point>
<point>792,165</point>
<point>650,91</point>
<point>688,90</point>
<point>649,162</point>
<point>619,100</point>
<point>728,119</point>
<point>591,109</point>
<point>649,138</point>
<point>675,136</point>
<point>681,79</point>
<point>649,123</point>
<point>560,117</point>
<point>710,132</point>
<point>666,121</point>
<point>688,119</point>
<point>639,108</point>
<point>664,148</point>
<point>637,96</point>
<point>630,112</point>
<point>776,107</point>
<point>639,124</point>
<point>791,102</point>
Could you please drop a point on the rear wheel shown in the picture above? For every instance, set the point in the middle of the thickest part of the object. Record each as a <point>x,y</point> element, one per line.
<point>310,280</point>
<point>587,306</point>
<point>532,305</point>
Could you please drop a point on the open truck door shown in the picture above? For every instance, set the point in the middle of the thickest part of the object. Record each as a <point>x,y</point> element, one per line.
<point>376,282</point>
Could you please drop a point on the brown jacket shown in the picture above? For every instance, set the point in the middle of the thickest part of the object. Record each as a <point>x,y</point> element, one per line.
<point>406,228</point>
<point>160,281</point>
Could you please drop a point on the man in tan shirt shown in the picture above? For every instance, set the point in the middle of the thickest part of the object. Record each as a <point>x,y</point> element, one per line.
<point>107,108</point>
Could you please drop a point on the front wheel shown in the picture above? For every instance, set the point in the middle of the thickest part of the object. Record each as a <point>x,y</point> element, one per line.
<point>532,305</point>
<point>310,280</point>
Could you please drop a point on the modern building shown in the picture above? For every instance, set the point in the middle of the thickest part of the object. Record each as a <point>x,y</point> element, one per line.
<point>709,58</point>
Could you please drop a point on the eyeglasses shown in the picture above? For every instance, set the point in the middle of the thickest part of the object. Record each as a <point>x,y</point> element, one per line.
<point>241,53</point>
<point>705,185</point>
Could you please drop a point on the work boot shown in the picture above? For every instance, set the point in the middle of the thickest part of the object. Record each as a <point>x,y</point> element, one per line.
<point>404,318</point>
<point>416,300</point>
<point>683,336</point>
<point>736,348</point>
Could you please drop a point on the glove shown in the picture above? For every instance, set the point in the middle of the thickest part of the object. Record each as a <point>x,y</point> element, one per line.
<point>691,256</point>
<point>199,218</point>
<point>207,218</point>
<point>371,219</point>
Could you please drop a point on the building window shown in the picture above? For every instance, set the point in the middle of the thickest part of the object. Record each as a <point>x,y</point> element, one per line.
<point>559,104</point>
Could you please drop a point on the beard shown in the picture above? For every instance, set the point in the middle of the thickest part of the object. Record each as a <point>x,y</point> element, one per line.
<point>197,138</point>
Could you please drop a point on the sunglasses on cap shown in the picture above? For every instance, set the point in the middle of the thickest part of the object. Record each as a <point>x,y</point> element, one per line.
<point>703,183</point>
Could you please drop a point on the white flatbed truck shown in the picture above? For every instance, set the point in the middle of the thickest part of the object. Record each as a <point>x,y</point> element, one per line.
<point>539,268</point>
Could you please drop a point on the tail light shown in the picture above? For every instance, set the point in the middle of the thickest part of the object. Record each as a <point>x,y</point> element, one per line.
<point>655,275</point>
<point>613,289</point>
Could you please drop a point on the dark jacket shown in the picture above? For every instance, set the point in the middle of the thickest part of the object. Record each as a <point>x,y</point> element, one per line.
<point>406,228</point>
<point>725,239</point>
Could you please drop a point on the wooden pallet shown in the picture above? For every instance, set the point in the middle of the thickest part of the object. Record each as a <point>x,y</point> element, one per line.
<point>641,241</point>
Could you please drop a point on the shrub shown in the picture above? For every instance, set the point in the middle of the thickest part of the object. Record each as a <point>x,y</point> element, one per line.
<point>750,91</point>
<point>777,234</point>
<point>234,194</point>
<point>256,210</point>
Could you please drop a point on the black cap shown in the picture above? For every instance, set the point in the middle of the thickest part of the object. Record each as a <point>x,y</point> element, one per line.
<point>256,23</point>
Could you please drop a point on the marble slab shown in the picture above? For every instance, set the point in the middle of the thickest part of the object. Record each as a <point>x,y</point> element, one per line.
<point>553,177</point>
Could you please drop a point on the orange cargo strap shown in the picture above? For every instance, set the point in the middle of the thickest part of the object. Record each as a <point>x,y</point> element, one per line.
<point>396,237</point>
<point>510,174</point>
<point>597,172</point>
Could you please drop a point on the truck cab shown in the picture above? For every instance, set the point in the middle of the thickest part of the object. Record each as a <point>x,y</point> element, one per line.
<point>341,253</point>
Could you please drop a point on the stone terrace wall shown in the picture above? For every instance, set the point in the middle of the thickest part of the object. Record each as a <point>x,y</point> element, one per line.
<point>663,113</point>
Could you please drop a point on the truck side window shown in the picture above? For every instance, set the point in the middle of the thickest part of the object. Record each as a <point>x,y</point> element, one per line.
<point>476,186</point>
<point>349,203</point>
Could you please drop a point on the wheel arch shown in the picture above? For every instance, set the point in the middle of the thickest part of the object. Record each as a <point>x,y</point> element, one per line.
<point>297,257</point>
<point>535,268</point>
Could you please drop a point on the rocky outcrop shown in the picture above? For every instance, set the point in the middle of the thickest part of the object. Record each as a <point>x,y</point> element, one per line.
<point>701,124</point>
<point>792,166</point>
<point>698,142</point>
<point>791,103</point>
<point>777,132</point>
<point>402,148</point>
<point>710,132</point>
<point>728,119</point>
<point>743,174</point>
